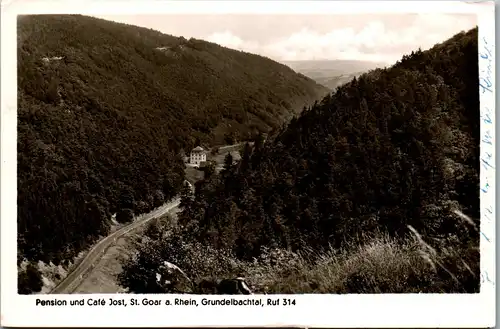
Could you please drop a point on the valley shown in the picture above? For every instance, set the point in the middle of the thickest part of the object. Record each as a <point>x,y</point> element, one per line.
<point>136,148</point>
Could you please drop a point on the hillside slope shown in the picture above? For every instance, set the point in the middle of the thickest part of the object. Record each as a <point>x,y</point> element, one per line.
<point>390,143</point>
<point>393,152</point>
<point>104,109</point>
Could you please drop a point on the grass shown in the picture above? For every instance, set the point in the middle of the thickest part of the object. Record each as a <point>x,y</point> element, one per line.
<point>220,156</point>
<point>193,174</point>
<point>102,279</point>
<point>382,265</point>
<point>196,174</point>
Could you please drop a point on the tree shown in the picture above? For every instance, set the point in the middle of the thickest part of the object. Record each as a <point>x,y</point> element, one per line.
<point>208,169</point>
<point>229,138</point>
<point>52,95</point>
<point>228,161</point>
<point>245,163</point>
<point>116,141</point>
<point>186,197</point>
<point>197,142</point>
<point>127,198</point>
<point>125,215</point>
<point>154,230</point>
<point>376,148</point>
<point>259,141</point>
<point>30,280</point>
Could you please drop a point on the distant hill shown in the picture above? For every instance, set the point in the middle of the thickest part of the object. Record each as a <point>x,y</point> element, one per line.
<point>333,73</point>
<point>105,108</point>
<point>333,82</point>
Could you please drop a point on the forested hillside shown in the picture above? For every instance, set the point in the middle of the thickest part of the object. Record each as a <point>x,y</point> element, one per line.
<point>380,168</point>
<point>104,109</point>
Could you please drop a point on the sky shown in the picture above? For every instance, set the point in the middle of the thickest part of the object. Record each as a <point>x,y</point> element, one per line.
<point>369,37</point>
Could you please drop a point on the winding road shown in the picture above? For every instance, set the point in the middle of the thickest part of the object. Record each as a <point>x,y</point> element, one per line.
<point>71,282</point>
<point>74,278</point>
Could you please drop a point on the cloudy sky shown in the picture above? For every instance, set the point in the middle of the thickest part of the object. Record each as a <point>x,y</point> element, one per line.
<point>374,37</point>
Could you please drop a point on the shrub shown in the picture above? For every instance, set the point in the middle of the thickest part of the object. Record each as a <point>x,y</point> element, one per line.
<point>198,261</point>
<point>383,265</point>
<point>29,281</point>
<point>125,215</point>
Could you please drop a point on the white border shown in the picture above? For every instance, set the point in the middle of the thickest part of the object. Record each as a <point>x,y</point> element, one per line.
<point>311,310</point>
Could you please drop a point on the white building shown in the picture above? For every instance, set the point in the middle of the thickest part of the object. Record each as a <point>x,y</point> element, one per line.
<point>198,155</point>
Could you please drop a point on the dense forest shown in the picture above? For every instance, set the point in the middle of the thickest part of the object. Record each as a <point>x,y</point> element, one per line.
<point>104,110</point>
<point>388,160</point>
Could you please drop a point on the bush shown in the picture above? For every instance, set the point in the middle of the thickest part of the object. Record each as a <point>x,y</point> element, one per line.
<point>384,151</point>
<point>367,178</point>
<point>142,207</point>
<point>29,281</point>
<point>125,215</point>
<point>383,265</point>
<point>229,138</point>
<point>198,261</point>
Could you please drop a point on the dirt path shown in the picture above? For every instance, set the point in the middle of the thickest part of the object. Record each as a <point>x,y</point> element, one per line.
<point>75,278</point>
<point>97,273</point>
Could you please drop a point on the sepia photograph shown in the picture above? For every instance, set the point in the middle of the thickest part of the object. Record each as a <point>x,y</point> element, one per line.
<point>271,160</point>
<point>248,154</point>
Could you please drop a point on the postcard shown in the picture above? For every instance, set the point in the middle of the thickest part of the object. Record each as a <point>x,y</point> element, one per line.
<point>248,163</point>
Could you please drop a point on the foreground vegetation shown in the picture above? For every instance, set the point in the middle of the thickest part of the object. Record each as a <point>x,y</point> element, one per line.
<point>374,189</point>
<point>381,265</point>
<point>104,111</point>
